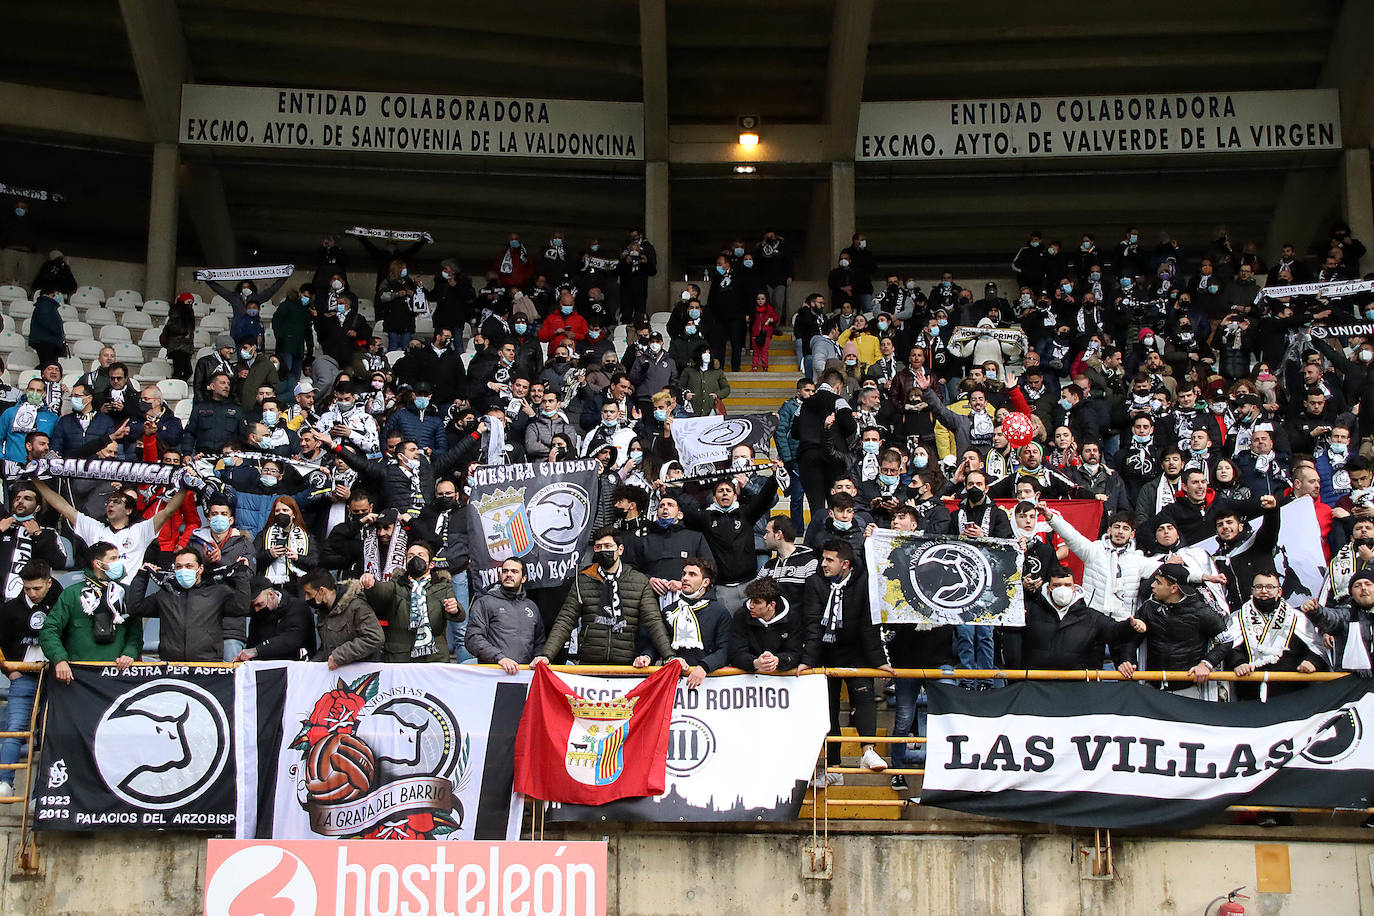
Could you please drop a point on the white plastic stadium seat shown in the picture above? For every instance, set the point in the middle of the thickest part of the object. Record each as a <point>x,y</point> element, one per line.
<point>7,323</point>
<point>424,326</point>
<point>88,295</point>
<point>86,349</point>
<point>157,308</point>
<point>155,370</point>
<point>101,317</point>
<point>115,334</point>
<point>70,365</point>
<point>128,353</point>
<point>131,296</point>
<point>11,341</point>
<point>220,306</point>
<point>150,338</point>
<point>182,410</point>
<point>24,326</point>
<point>10,291</point>
<point>203,351</point>
<point>69,313</point>
<point>217,322</point>
<point>22,309</point>
<point>22,359</point>
<point>205,338</point>
<point>78,330</point>
<point>173,389</point>
<point>136,321</point>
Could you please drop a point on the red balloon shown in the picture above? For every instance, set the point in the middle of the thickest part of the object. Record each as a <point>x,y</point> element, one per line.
<point>1017,428</point>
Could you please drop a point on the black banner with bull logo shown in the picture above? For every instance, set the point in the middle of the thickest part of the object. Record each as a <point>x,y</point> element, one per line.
<point>147,748</point>
<point>541,513</point>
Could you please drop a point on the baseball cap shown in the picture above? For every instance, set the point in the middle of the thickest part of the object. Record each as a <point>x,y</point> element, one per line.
<point>304,386</point>
<point>1176,573</point>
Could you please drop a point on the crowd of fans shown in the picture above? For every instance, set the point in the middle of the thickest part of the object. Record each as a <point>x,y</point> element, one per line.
<point>1159,381</point>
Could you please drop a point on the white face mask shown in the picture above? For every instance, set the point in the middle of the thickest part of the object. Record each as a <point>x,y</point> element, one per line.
<point>1061,595</point>
<point>336,285</point>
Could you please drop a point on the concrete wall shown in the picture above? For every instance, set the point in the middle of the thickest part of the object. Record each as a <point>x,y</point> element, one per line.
<point>691,873</point>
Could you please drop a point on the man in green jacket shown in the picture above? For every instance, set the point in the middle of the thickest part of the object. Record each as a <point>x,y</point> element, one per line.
<point>417,606</point>
<point>89,622</point>
<point>607,605</point>
<point>253,371</point>
<point>348,628</point>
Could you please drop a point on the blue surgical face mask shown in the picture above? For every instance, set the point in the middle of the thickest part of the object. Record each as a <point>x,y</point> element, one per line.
<point>842,526</point>
<point>946,284</point>
<point>636,456</point>
<point>251,313</point>
<point>1066,287</point>
<point>882,325</point>
<point>660,414</point>
<point>920,461</point>
<point>739,252</point>
<point>720,269</point>
<point>1212,288</point>
<point>21,519</point>
<point>219,523</point>
<point>422,401</point>
<point>1126,282</point>
<point>594,247</point>
<point>888,480</point>
<point>871,448</point>
<point>557,243</point>
<point>18,211</point>
<point>1087,246</point>
<point>942,322</point>
<point>269,418</point>
<point>594,334</point>
<point>341,308</point>
<point>566,309</point>
<point>305,299</point>
<point>186,578</point>
<point>521,327</point>
<point>748,262</point>
<point>694,314</point>
<point>78,403</point>
<point>1035,243</point>
<point>245,353</point>
<point>691,330</point>
<point>515,243</point>
<point>268,480</point>
<point>115,570</point>
<point>1065,403</point>
<point>1133,238</point>
<point>1141,440</point>
<point>1094,276</point>
<point>608,423</point>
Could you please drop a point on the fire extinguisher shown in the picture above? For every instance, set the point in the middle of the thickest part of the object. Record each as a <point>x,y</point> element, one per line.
<point>1229,907</point>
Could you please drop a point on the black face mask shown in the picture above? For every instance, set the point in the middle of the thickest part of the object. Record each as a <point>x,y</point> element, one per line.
<point>282,519</point>
<point>357,517</point>
<point>416,567</point>
<point>317,604</point>
<point>975,496</point>
<point>1266,604</point>
<point>605,558</point>
<point>443,503</point>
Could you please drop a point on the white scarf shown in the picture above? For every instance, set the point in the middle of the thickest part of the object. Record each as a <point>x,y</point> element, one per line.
<point>25,418</point>
<point>1266,637</point>
<point>682,617</point>
<point>833,618</point>
<point>295,539</point>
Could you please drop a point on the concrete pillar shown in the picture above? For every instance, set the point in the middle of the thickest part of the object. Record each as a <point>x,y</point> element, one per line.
<point>162,224</point>
<point>841,206</point>
<point>1357,199</point>
<point>820,257</point>
<point>658,228</point>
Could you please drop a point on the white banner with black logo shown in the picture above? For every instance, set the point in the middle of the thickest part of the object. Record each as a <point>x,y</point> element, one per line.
<point>1130,755</point>
<point>370,751</point>
<point>1343,330</point>
<point>394,235</point>
<point>274,272</point>
<point>720,735</point>
<point>938,581</point>
<point>148,748</point>
<point>540,513</point>
<point>706,440</point>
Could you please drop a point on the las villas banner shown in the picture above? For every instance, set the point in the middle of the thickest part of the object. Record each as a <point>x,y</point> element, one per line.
<point>1131,755</point>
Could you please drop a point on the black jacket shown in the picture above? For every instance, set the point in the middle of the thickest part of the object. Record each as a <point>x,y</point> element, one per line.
<point>784,636</point>
<point>858,642</point>
<point>21,624</point>
<point>212,424</point>
<point>730,535</point>
<point>396,491</point>
<point>713,621</point>
<point>1076,642</point>
<point>660,553</point>
<point>191,617</point>
<point>283,633</point>
<point>1177,635</point>
<point>809,426</point>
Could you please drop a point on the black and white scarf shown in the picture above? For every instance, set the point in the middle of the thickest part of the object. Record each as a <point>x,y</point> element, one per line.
<point>103,601</point>
<point>611,615</point>
<point>419,619</point>
<point>20,554</point>
<point>833,617</point>
<point>508,259</point>
<point>293,538</point>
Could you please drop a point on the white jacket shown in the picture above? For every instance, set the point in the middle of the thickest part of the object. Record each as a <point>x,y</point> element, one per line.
<point>1111,575</point>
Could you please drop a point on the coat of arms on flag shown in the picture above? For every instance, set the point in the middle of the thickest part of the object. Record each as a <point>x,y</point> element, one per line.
<point>596,742</point>
<point>505,524</point>
<point>577,750</point>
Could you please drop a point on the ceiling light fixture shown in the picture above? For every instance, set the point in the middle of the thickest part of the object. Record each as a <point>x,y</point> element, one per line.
<point>748,138</point>
<point>746,169</point>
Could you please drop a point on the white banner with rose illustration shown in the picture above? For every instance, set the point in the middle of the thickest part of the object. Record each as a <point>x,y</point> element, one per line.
<point>373,751</point>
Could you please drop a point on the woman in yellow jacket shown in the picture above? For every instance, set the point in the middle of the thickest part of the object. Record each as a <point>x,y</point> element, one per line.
<point>864,340</point>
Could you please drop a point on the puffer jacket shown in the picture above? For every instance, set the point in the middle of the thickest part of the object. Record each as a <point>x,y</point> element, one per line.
<point>783,636</point>
<point>191,617</point>
<point>1111,575</point>
<point>349,630</point>
<point>391,601</point>
<point>426,427</point>
<point>600,643</point>
<point>1177,635</point>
